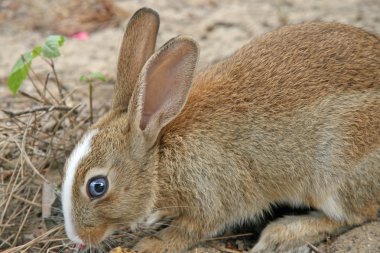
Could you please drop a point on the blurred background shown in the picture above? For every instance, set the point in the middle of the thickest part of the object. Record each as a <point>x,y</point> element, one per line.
<point>220,26</point>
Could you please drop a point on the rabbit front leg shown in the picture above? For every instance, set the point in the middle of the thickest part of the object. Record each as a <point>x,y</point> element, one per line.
<point>182,233</point>
<point>292,233</point>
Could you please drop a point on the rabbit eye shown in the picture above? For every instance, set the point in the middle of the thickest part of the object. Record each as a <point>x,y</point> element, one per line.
<point>97,186</point>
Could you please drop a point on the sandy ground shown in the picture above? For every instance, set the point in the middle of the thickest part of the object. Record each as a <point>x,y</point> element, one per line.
<point>220,27</point>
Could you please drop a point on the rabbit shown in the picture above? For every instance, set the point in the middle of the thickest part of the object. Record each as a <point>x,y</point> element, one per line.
<point>293,117</point>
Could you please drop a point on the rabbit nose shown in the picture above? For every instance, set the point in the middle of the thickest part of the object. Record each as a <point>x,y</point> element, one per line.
<point>81,246</point>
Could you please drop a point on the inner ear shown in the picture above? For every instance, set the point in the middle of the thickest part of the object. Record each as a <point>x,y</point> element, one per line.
<point>168,79</point>
<point>162,84</point>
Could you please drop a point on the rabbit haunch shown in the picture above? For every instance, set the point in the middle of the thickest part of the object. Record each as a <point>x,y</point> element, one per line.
<point>80,152</point>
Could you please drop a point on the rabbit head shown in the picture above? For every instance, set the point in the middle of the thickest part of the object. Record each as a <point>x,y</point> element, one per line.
<point>110,177</point>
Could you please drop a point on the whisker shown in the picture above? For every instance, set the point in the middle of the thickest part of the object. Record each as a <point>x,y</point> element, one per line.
<point>54,247</point>
<point>168,207</point>
<point>148,233</point>
<point>125,235</point>
<point>106,244</point>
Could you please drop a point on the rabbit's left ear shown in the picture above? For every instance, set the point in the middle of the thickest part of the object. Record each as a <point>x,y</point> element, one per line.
<point>138,45</point>
<point>163,87</point>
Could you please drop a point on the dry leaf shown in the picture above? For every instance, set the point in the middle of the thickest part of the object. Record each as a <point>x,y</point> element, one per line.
<point>121,250</point>
<point>48,191</point>
<point>48,198</point>
<point>5,174</point>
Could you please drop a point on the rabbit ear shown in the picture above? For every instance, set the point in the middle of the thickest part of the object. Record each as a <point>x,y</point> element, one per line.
<point>163,87</point>
<point>138,45</point>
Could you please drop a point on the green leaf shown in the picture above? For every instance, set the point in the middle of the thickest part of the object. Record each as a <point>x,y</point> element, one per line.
<point>36,51</point>
<point>97,75</point>
<point>20,70</point>
<point>83,78</point>
<point>50,49</point>
<point>92,76</point>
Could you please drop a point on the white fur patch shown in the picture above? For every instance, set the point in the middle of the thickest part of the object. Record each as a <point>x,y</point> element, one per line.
<point>147,221</point>
<point>153,218</point>
<point>80,151</point>
<point>331,207</point>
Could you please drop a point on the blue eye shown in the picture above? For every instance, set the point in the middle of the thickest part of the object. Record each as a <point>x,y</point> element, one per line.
<point>97,186</point>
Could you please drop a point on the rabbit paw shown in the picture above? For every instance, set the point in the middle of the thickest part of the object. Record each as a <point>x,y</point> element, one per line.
<point>292,233</point>
<point>301,249</point>
<point>151,245</point>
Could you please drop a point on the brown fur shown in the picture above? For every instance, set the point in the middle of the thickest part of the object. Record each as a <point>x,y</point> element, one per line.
<point>292,117</point>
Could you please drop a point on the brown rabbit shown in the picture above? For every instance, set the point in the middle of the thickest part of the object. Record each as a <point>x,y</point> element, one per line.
<point>293,117</point>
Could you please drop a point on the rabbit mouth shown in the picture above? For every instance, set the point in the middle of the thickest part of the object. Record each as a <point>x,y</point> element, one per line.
<point>94,235</point>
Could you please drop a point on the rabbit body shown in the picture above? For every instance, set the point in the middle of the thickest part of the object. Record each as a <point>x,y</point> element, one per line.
<point>292,117</point>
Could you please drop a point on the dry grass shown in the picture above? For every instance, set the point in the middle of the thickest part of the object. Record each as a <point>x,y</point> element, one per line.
<point>34,144</point>
<point>39,128</point>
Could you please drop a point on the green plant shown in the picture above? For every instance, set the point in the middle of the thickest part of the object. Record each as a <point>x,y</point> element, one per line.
<point>35,143</point>
<point>20,70</point>
<point>47,51</point>
<point>90,79</point>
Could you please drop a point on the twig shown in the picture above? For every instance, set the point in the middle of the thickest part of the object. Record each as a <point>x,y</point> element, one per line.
<point>33,83</point>
<point>25,155</point>
<point>32,242</point>
<point>27,201</point>
<point>42,83</point>
<point>56,79</point>
<point>56,240</point>
<point>18,122</point>
<point>47,108</point>
<point>45,83</point>
<point>224,249</point>
<point>29,162</point>
<point>15,214</point>
<point>4,174</point>
<point>25,217</point>
<point>67,95</point>
<point>313,248</point>
<point>6,241</point>
<point>59,124</point>
<point>228,237</point>
<point>7,225</point>
<point>30,96</point>
<point>54,247</point>
<point>14,178</point>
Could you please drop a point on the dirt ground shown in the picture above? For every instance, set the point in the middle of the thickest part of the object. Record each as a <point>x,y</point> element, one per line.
<point>220,27</point>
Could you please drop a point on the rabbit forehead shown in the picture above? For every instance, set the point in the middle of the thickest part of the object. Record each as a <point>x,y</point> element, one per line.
<point>82,149</point>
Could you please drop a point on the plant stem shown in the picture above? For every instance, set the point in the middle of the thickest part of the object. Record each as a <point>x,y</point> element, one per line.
<point>33,83</point>
<point>90,86</point>
<point>42,83</point>
<point>56,79</point>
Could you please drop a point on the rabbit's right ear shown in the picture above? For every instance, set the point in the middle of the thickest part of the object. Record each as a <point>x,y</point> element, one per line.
<point>162,89</point>
<point>138,45</point>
